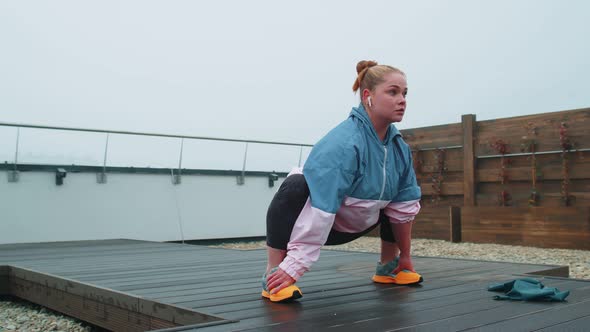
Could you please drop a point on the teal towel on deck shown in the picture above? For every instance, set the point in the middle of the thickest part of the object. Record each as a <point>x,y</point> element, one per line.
<point>527,289</point>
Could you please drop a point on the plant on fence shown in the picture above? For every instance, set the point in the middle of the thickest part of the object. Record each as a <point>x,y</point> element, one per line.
<point>438,174</point>
<point>504,198</point>
<point>566,146</point>
<point>529,145</point>
<point>501,148</point>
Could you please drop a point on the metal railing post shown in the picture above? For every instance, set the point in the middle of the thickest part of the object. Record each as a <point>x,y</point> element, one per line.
<point>13,175</point>
<point>102,177</point>
<point>176,177</point>
<point>241,178</point>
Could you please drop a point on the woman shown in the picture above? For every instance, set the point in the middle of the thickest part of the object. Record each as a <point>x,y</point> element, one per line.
<point>358,176</point>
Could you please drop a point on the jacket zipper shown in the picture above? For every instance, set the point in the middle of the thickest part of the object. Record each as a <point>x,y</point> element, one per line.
<point>384,173</point>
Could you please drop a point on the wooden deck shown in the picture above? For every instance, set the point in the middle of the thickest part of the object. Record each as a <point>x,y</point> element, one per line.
<point>176,287</point>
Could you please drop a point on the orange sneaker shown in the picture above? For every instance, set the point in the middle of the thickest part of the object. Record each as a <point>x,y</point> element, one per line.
<point>384,275</point>
<point>286,294</point>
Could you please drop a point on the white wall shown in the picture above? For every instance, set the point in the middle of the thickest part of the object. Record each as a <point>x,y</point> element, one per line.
<point>134,206</point>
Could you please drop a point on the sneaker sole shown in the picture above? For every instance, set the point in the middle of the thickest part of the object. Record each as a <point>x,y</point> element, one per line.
<point>398,280</point>
<point>284,295</point>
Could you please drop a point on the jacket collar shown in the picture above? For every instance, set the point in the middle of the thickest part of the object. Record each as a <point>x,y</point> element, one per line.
<point>361,114</point>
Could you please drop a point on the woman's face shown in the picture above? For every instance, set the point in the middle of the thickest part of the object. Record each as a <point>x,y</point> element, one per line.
<point>388,100</point>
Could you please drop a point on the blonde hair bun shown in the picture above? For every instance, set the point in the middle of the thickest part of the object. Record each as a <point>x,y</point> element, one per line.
<point>370,73</point>
<point>364,64</point>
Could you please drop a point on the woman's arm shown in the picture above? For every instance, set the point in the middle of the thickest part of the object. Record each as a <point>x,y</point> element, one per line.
<point>329,171</point>
<point>403,237</point>
<point>404,207</point>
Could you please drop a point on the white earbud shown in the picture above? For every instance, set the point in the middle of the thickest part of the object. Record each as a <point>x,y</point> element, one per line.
<point>369,101</point>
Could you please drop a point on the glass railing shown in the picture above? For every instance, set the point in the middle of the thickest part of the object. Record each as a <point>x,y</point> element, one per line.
<point>40,144</point>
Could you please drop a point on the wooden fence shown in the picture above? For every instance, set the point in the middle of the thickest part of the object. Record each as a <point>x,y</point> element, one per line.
<point>522,180</point>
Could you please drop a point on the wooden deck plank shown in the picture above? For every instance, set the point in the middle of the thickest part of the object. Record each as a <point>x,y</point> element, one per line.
<point>387,294</point>
<point>510,310</point>
<point>338,292</point>
<point>544,315</point>
<point>581,324</point>
<point>254,275</point>
<point>319,278</point>
<point>197,271</point>
<point>339,309</point>
<point>346,294</point>
<point>327,284</point>
<point>411,316</point>
<point>384,307</point>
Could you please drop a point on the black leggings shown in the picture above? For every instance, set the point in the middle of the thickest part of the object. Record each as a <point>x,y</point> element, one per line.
<point>286,206</point>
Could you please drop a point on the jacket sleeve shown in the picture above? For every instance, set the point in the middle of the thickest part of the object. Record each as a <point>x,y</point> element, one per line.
<point>406,204</point>
<point>329,171</point>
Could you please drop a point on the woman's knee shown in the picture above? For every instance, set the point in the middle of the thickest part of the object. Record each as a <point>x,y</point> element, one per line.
<point>284,210</point>
<point>295,185</point>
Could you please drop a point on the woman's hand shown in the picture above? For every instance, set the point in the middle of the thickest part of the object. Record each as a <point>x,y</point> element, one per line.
<point>404,263</point>
<point>278,280</point>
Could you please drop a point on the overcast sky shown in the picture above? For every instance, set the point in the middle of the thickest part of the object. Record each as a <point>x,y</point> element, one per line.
<point>275,70</point>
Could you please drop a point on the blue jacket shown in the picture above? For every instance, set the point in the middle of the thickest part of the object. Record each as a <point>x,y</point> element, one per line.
<point>352,175</point>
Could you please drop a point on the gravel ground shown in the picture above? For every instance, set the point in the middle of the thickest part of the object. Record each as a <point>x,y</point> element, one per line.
<point>16,315</point>
<point>23,316</point>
